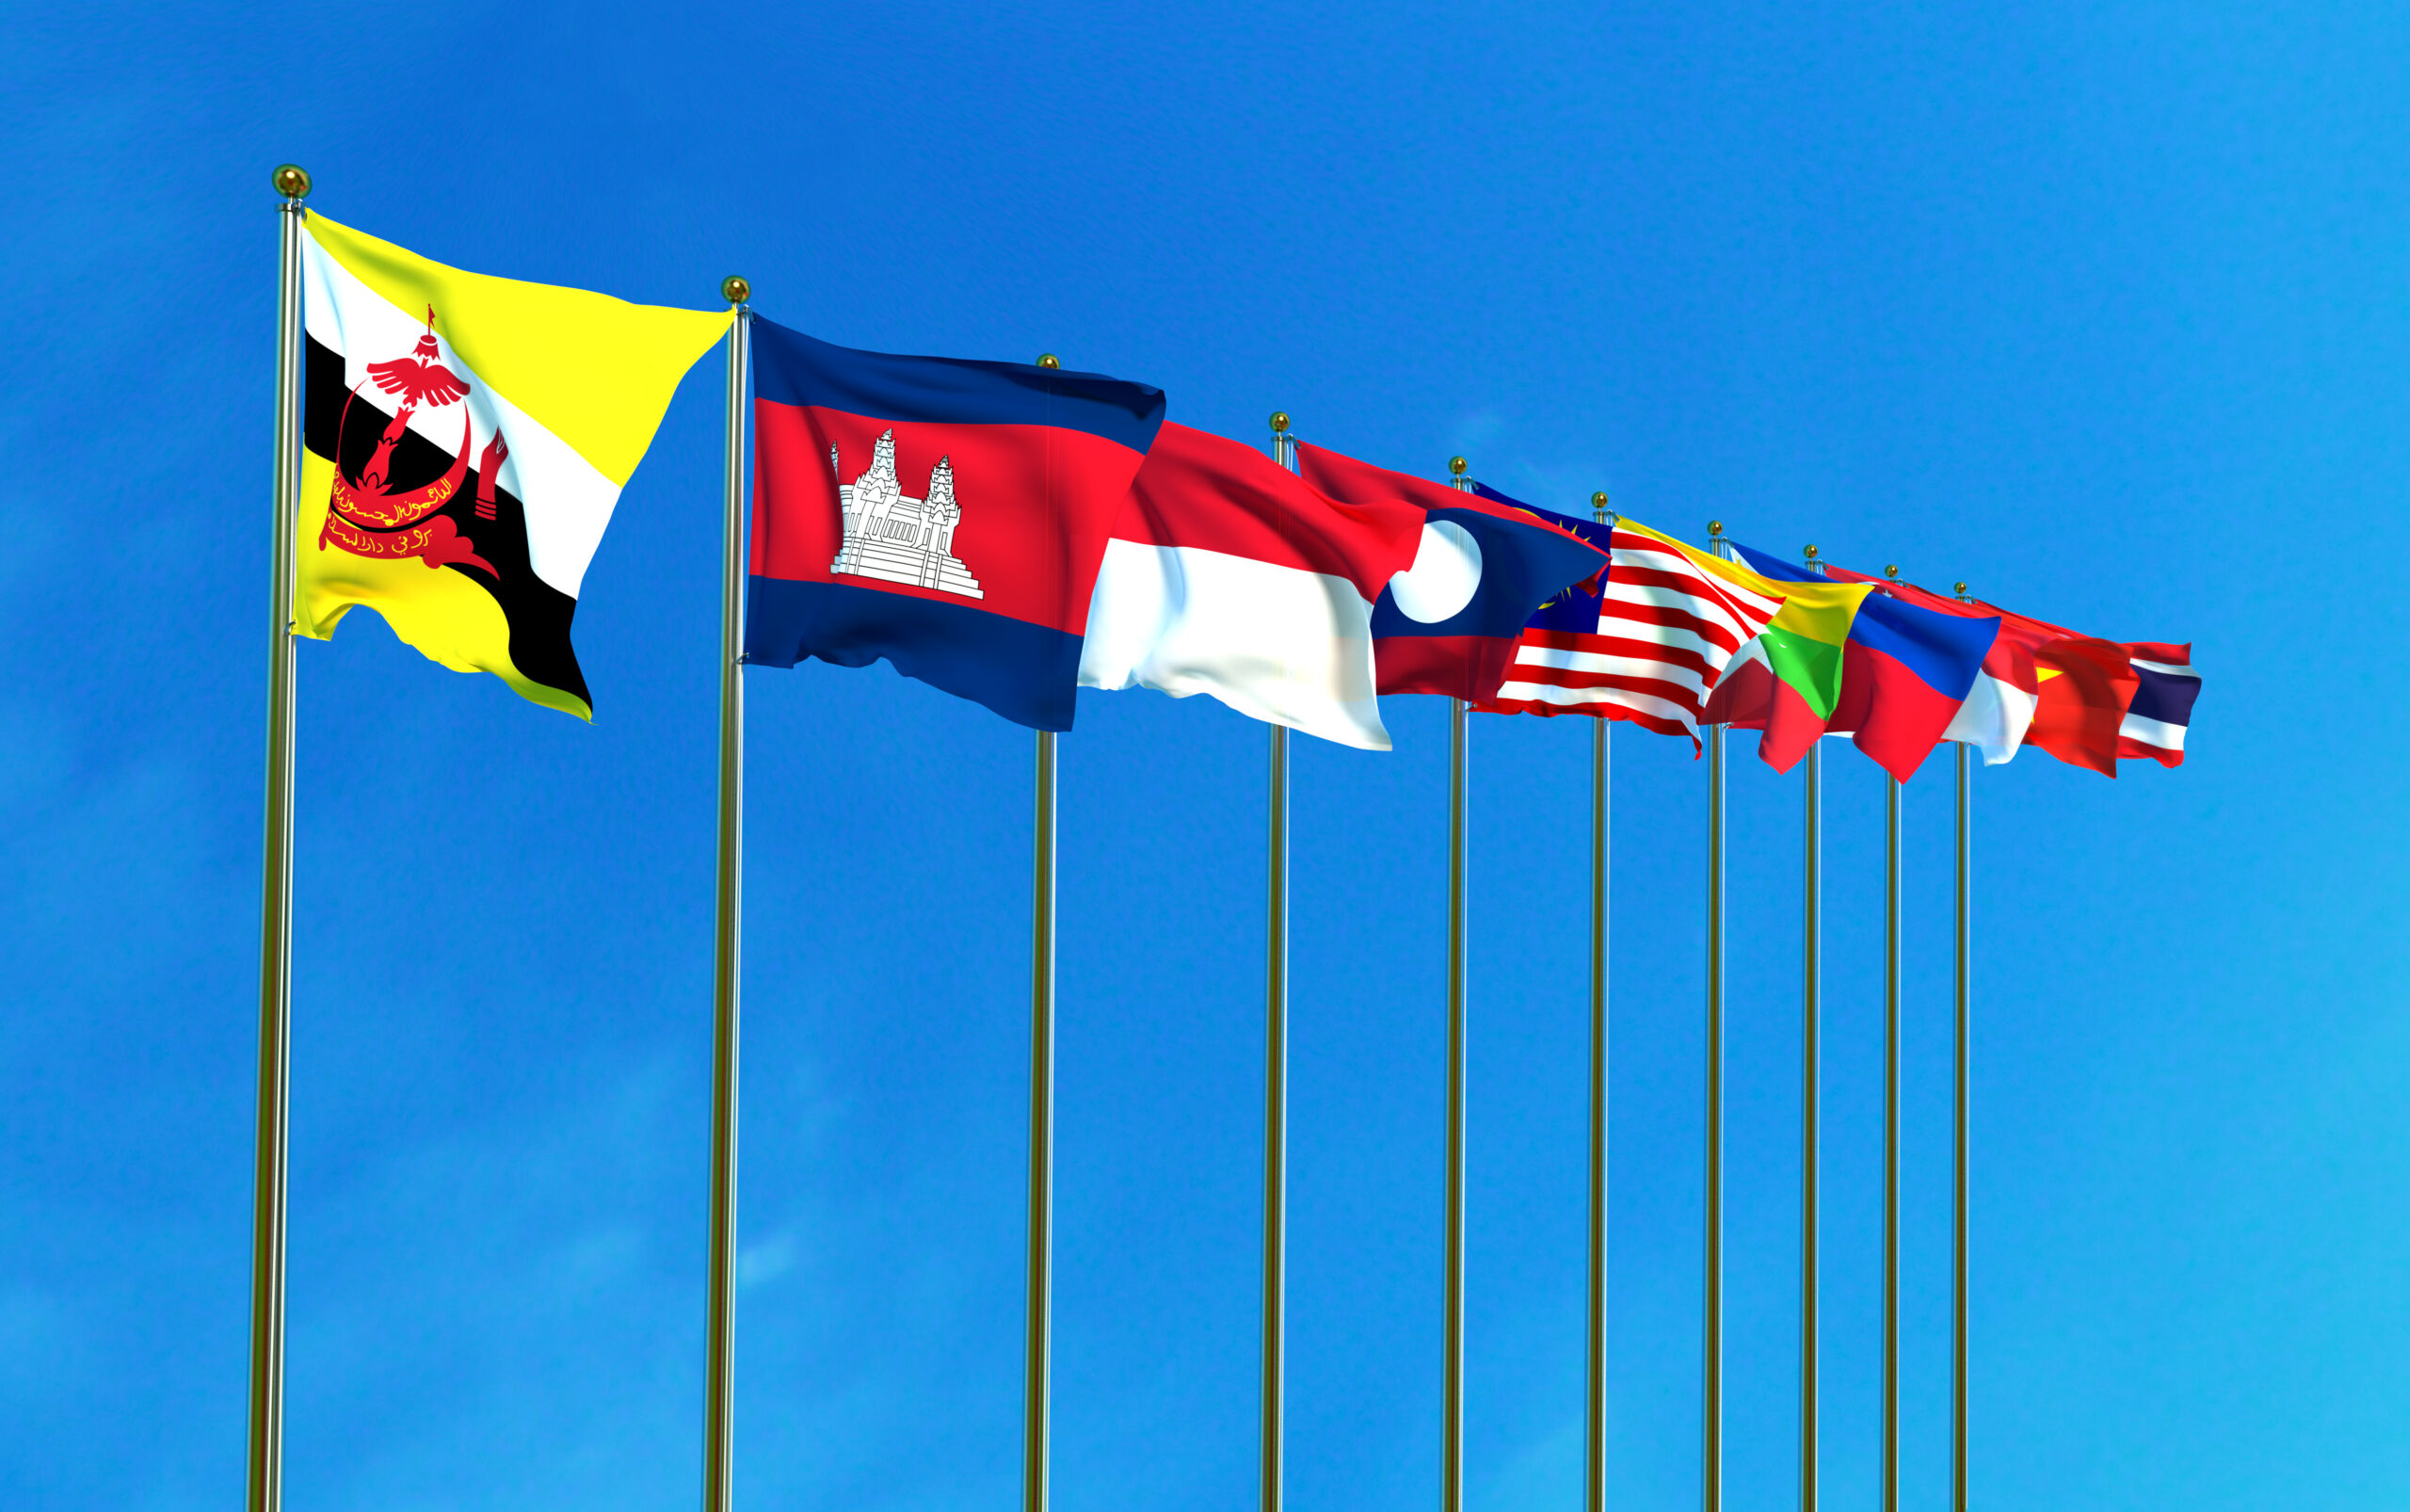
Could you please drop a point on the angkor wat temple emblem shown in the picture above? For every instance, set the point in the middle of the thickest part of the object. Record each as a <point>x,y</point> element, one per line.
<point>895,538</point>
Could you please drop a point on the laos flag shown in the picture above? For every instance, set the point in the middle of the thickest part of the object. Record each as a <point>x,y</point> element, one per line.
<point>1450,621</point>
<point>945,514</point>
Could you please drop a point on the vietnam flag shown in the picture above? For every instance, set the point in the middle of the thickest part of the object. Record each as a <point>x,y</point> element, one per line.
<point>465,441</point>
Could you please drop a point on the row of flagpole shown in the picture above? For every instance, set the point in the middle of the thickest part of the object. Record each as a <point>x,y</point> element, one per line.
<point>267,1331</point>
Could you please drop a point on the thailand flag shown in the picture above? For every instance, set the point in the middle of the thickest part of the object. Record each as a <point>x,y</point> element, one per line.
<point>947,515</point>
<point>1230,575</point>
<point>2164,688</point>
<point>1450,623</point>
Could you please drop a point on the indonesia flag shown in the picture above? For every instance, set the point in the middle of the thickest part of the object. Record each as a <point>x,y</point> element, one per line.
<point>2164,688</point>
<point>1229,575</point>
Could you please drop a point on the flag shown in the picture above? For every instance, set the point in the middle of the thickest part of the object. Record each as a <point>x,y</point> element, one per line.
<point>1642,642</point>
<point>2083,685</point>
<point>979,583</point>
<point>1906,670</point>
<point>2164,688</point>
<point>1788,681</point>
<point>466,439</point>
<point>1999,705</point>
<point>1448,623</point>
<point>1230,575</point>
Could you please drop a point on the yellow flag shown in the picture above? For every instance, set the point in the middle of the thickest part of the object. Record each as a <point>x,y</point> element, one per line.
<point>466,439</point>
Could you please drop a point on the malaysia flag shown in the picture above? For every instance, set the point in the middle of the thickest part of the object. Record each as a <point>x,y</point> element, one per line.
<point>947,515</point>
<point>1230,575</point>
<point>1450,623</point>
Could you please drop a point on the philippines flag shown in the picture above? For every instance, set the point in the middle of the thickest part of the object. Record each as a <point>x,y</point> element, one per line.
<point>1999,707</point>
<point>945,514</point>
<point>2164,688</point>
<point>1449,624</point>
<point>1230,575</point>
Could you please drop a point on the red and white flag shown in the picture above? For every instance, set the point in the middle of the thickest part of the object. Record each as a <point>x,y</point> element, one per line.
<point>1227,574</point>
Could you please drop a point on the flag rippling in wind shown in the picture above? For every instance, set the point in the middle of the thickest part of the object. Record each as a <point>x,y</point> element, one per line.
<point>1227,574</point>
<point>1645,643</point>
<point>1449,624</point>
<point>466,439</point>
<point>1787,682</point>
<point>945,514</point>
<point>1906,670</point>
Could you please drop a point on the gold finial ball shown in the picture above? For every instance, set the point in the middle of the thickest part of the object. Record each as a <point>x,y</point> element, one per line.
<point>292,181</point>
<point>736,290</point>
<point>1279,421</point>
<point>1892,571</point>
<point>1050,360</point>
<point>1457,465</point>
<point>1811,553</point>
<point>1598,500</point>
<point>1961,590</point>
<point>1715,528</point>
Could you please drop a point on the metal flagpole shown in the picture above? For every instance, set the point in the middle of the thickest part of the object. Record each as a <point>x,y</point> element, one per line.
<point>1711,1433</point>
<point>266,1454</point>
<point>1891,1137</point>
<point>1276,1079</point>
<point>1811,1095</point>
<point>1451,1452</point>
<point>720,1379</point>
<point>1601,755</point>
<point>1039,1353</point>
<point>1958,1247</point>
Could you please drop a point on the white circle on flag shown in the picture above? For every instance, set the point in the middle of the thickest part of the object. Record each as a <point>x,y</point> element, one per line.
<point>1445,574</point>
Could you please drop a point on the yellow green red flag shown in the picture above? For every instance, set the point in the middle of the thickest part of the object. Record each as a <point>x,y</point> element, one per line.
<point>466,440</point>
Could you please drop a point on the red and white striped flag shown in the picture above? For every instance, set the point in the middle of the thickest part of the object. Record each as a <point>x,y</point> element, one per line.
<point>1648,647</point>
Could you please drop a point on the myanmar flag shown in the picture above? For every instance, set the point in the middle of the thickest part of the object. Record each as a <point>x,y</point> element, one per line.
<point>1788,681</point>
<point>466,441</point>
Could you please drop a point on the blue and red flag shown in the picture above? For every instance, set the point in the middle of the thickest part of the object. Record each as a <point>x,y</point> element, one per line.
<point>1906,670</point>
<point>1449,624</point>
<point>946,514</point>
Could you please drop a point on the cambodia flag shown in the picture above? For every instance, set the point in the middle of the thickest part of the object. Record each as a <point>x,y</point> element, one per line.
<point>1450,623</point>
<point>948,515</point>
<point>1906,670</point>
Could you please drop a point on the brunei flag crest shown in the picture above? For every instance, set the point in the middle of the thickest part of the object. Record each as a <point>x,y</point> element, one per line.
<point>466,441</point>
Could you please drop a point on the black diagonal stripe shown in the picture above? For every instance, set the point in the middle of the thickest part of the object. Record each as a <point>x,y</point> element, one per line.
<point>538,613</point>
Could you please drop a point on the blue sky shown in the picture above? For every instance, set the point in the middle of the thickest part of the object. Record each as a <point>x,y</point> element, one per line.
<point>2100,307</point>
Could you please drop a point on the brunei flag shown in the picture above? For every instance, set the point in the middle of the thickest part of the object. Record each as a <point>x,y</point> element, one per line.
<point>466,440</point>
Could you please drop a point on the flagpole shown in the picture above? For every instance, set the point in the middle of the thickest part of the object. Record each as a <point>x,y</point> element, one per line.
<point>719,1382</point>
<point>1275,1082</point>
<point>265,1491</point>
<point>1452,1454</point>
<point>1039,1353</point>
<point>1601,755</point>
<point>1712,1430</point>
<point>1811,1096</point>
<point>1892,1144</point>
<point>1958,1247</point>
